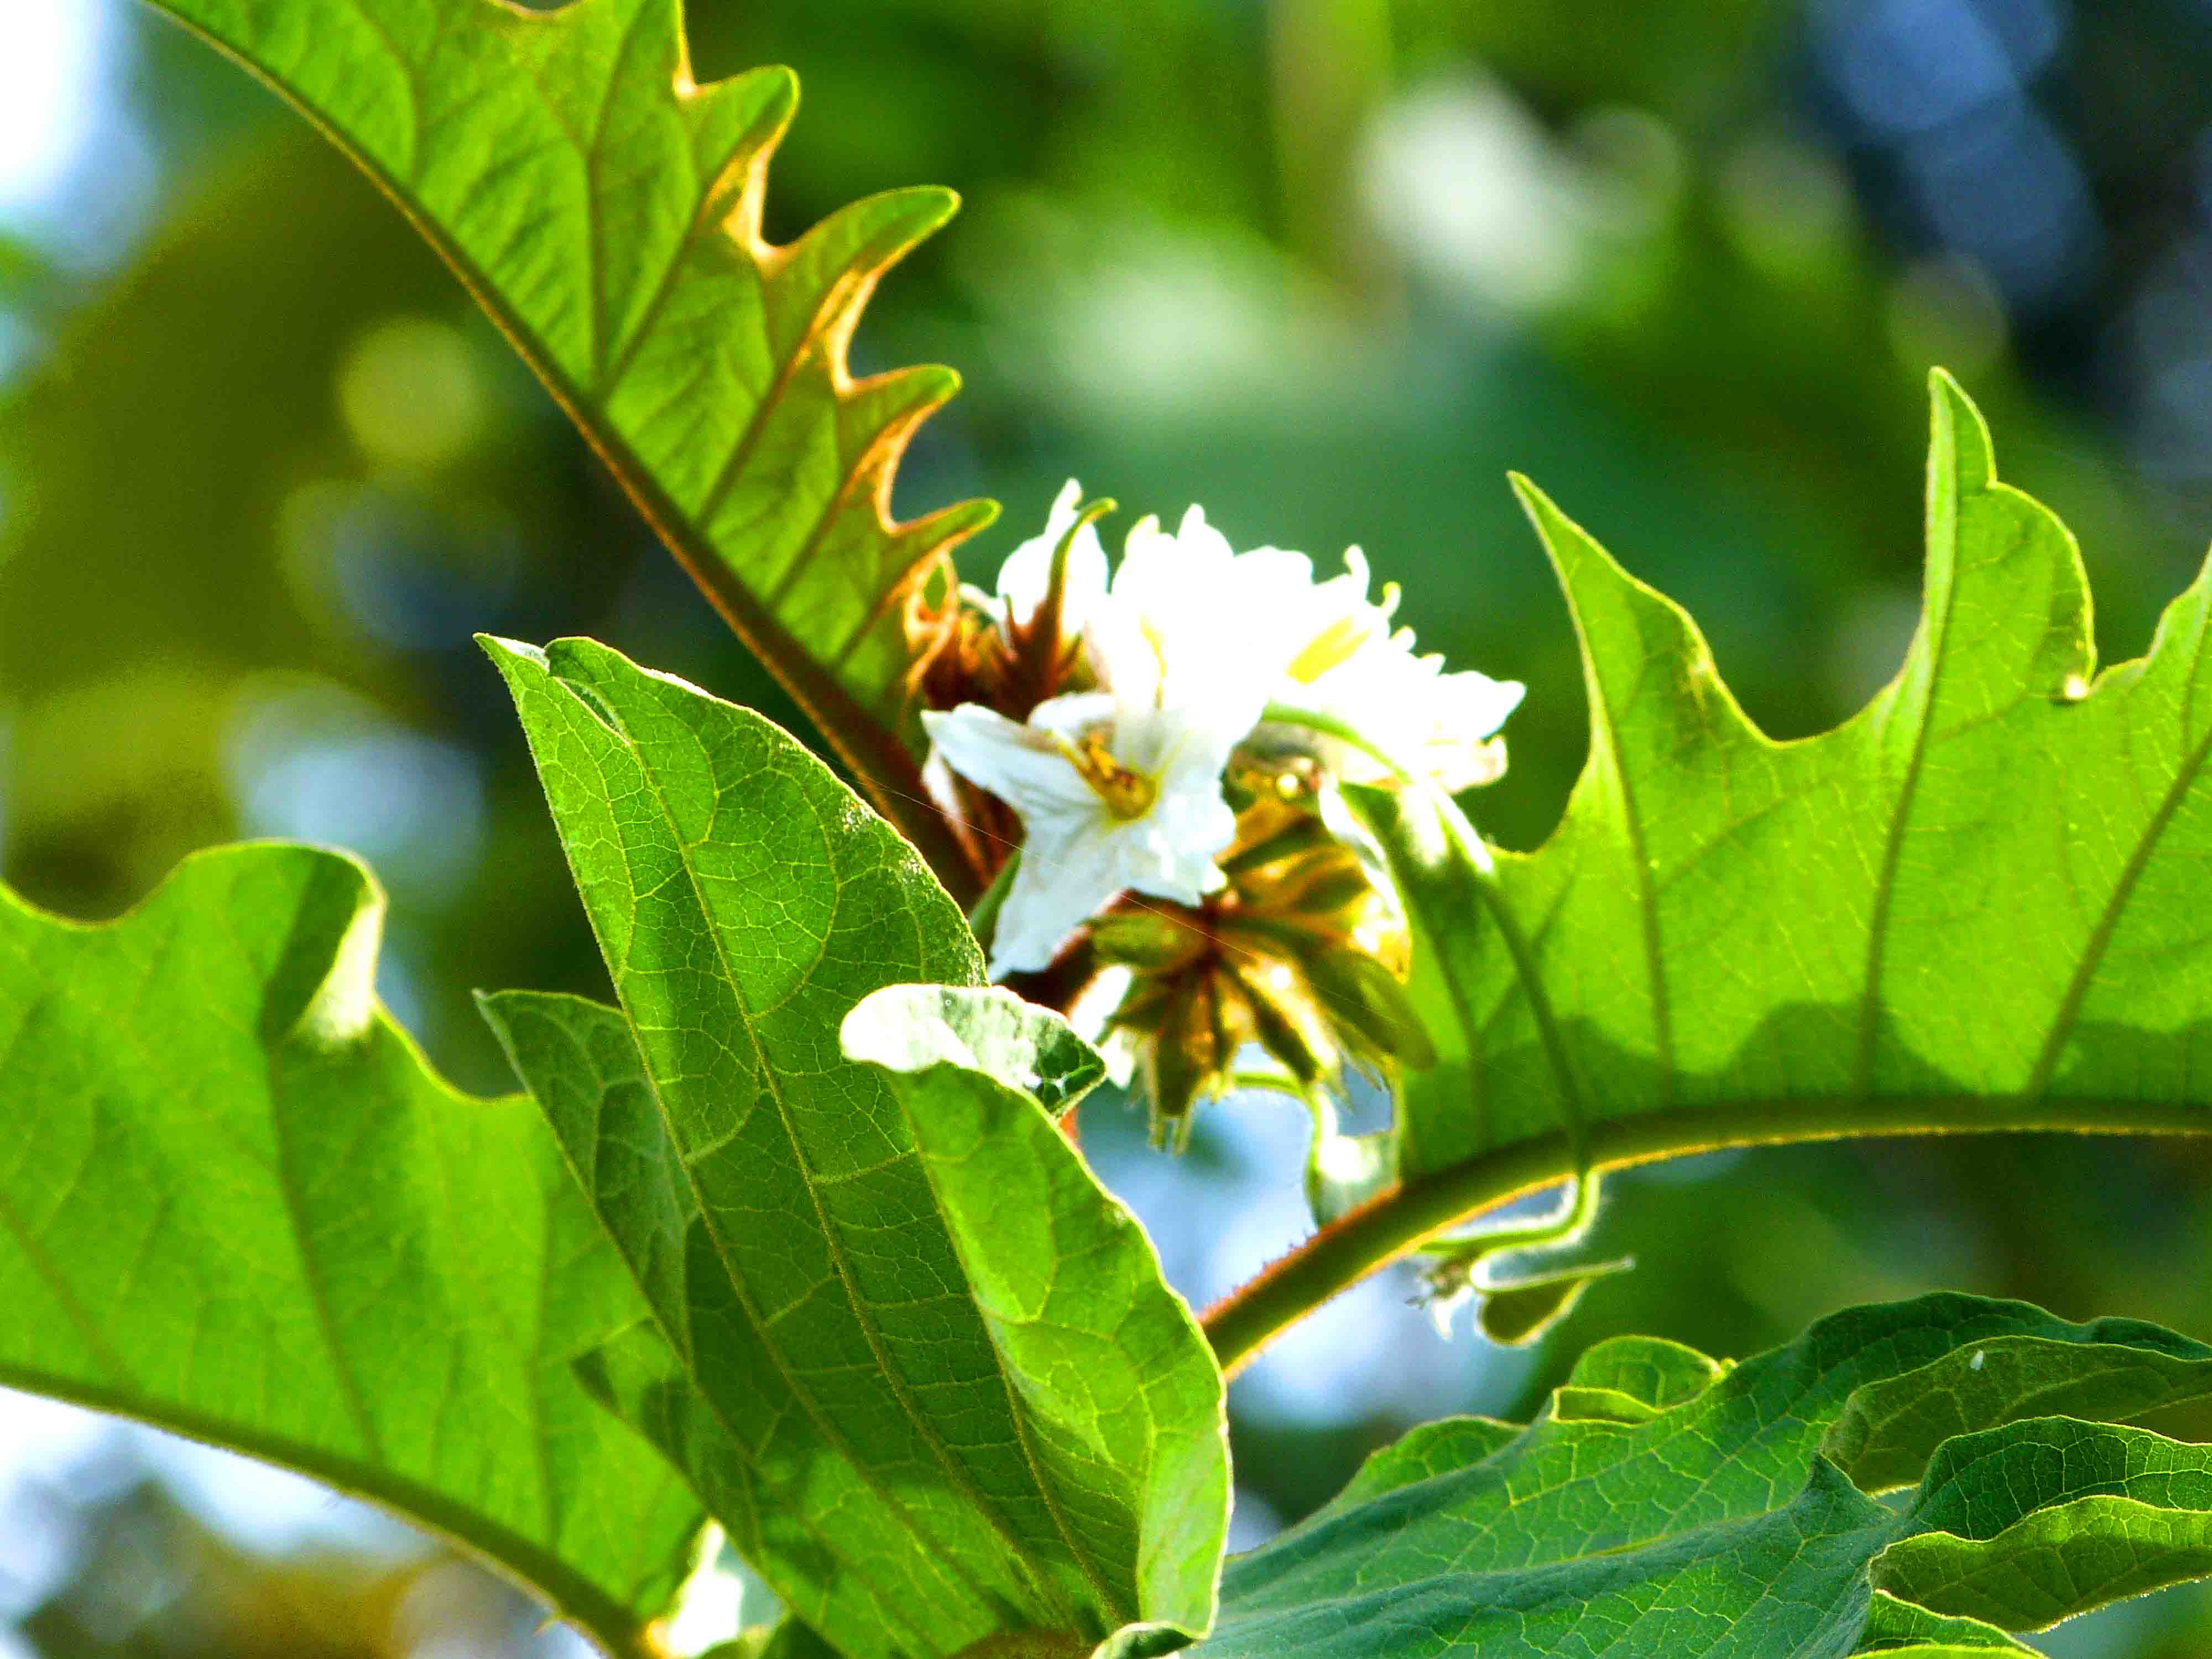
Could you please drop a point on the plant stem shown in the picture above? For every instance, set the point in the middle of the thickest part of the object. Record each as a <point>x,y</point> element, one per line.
<point>1395,1222</point>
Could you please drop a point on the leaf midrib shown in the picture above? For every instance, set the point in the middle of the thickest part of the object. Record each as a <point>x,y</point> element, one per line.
<point>679,1345</point>
<point>1935,633</point>
<point>1647,903</point>
<point>1018,1415</point>
<point>713,189</point>
<point>1675,1533</point>
<point>883,764</point>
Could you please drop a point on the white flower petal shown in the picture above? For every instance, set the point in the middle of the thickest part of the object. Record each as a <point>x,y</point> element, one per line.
<point>1187,620</point>
<point>1020,765</point>
<point>1340,657</point>
<point>1162,575</point>
<point>1274,578</point>
<point>1073,714</point>
<point>1192,752</point>
<point>1123,656</point>
<point>1458,765</point>
<point>937,779</point>
<point>1472,706</point>
<point>1026,576</point>
<point>1170,852</point>
<point>1200,539</point>
<point>1064,880</point>
<point>1186,834</point>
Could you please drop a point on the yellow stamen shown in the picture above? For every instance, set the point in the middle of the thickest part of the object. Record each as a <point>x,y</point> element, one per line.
<point>1129,794</point>
<point>1337,643</point>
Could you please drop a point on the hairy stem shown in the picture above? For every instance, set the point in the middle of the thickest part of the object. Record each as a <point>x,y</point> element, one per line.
<point>1399,1219</point>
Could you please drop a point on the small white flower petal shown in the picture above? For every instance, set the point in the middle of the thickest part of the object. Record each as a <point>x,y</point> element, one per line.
<point>1026,576</point>
<point>1339,657</point>
<point>1123,656</point>
<point>1185,622</point>
<point>1162,575</point>
<point>1170,852</point>
<point>1073,714</point>
<point>1472,706</point>
<point>1187,750</point>
<point>1068,874</point>
<point>1200,539</point>
<point>1020,765</point>
<point>1185,835</point>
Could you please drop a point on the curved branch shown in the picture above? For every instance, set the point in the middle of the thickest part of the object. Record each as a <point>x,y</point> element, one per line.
<point>1396,1221</point>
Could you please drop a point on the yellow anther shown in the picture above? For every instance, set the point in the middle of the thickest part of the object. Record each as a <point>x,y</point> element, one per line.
<point>1127,794</point>
<point>1337,643</point>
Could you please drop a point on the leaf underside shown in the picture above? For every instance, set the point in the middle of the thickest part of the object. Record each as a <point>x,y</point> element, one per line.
<point>606,211</point>
<point>234,1201</point>
<point>909,1353</point>
<point>1665,1505</point>
<point>1980,904</point>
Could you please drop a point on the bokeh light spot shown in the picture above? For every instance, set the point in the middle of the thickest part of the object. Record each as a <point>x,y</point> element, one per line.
<point>410,392</point>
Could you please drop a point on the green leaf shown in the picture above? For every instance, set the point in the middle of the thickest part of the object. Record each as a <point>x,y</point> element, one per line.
<point>235,1202</point>
<point>1711,1517</point>
<point>2025,1526</point>
<point>606,212</point>
<point>917,1362</point>
<point>1977,905</point>
<point>1886,1433</point>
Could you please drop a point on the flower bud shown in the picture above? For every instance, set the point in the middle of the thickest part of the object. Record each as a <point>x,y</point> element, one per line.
<point>1300,952</point>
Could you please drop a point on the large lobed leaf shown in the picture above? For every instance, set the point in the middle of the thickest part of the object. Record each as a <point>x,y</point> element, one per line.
<point>606,212</point>
<point>1664,1504</point>
<point>1978,905</point>
<point>908,1352</point>
<point>234,1201</point>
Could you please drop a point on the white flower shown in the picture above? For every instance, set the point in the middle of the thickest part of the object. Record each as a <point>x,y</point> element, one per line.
<point>1120,788</point>
<point>1025,578</point>
<point>1173,631</point>
<point>1342,659</point>
<point>1111,797</point>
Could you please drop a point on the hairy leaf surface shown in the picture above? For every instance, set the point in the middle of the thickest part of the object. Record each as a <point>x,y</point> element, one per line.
<point>911,1355</point>
<point>235,1202</point>
<point>1663,1504</point>
<point>1980,903</point>
<point>606,212</point>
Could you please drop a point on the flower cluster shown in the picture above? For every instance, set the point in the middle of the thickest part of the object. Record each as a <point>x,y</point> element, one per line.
<point>1176,733</point>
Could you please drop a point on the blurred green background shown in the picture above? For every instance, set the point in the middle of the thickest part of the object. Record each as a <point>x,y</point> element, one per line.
<point>1330,267</point>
